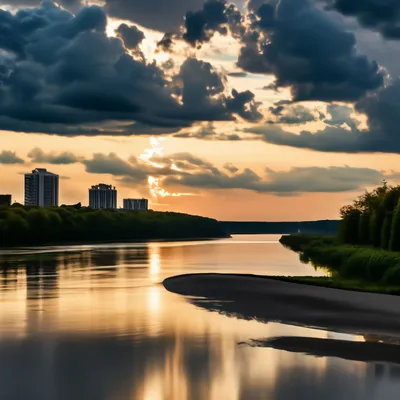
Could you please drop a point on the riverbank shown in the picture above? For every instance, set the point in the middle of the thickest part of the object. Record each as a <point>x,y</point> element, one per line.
<point>366,264</point>
<point>272,300</point>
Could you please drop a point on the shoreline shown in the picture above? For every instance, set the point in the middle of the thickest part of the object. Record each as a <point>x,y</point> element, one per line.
<point>90,243</point>
<point>272,300</point>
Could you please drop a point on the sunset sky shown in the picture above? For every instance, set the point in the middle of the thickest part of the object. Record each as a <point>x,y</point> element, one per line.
<point>257,110</point>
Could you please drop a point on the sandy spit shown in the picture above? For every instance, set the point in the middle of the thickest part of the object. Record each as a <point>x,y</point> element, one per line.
<point>257,297</point>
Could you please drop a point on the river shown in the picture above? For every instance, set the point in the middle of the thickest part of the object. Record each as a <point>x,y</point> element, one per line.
<point>94,323</point>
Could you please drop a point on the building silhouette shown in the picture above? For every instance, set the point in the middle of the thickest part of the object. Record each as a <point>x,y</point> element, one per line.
<point>136,204</point>
<point>5,200</point>
<point>102,196</point>
<point>41,188</point>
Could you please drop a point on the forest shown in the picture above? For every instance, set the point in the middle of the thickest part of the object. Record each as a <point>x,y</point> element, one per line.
<point>20,225</point>
<point>367,247</point>
<point>373,219</point>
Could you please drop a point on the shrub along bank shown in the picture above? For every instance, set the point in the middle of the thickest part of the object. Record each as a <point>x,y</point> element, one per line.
<point>348,262</point>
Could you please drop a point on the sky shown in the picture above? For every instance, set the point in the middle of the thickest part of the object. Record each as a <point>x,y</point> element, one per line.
<point>273,110</point>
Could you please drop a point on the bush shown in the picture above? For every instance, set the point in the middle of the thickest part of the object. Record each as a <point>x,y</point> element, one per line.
<point>392,276</point>
<point>350,262</point>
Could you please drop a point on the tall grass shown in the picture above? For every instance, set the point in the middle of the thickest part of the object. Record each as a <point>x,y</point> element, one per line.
<point>347,261</point>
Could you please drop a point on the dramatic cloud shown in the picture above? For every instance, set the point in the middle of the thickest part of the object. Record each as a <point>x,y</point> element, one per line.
<point>132,36</point>
<point>284,113</point>
<point>159,15</point>
<point>61,74</point>
<point>244,104</point>
<point>294,181</point>
<point>37,155</point>
<point>72,5</point>
<point>208,132</point>
<point>201,25</point>
<point>114,165</point>
<point>341,115</point>
<point>342,133</point>
<point>215,16</point>
<point>193,172</point>
<point>10,157</point>
<point>308,52</point>
<point>201,89</point>
<point>382,15</point>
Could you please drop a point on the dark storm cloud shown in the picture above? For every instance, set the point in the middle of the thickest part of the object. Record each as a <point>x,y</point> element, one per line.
<point>60,72</point>
<point>132,36</point>
<point>308,52</point>
<point>341,115</point>
<point>243,104</point>
<point>166,43</point>
<point>201,25</point>
<point>10,157</point>
<point>254,5</point>
<point>284,113</point>
<point>215,16</point>
<point>159,15</point>
<point>382,15</point>
<point>37,155</point>
<point>342,133</point>
<point>72,5</point>
<point>201,89</point>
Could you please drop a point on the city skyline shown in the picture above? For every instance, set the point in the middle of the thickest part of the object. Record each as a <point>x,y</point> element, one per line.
<point>220,129</point>
<point>35,186</point>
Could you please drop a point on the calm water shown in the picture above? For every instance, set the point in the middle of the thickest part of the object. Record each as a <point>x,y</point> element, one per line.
<point>93,322</point>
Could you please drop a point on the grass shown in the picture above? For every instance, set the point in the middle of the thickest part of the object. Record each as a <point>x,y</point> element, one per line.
<point>338,283</point>
<point>353,267</point>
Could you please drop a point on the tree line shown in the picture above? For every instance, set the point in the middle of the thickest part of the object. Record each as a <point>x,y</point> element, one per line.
<point>373,219</point>
<point>20,225</point>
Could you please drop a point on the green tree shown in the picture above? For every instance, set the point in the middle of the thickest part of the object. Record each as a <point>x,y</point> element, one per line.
<point>349,228</point>
<point>394,244</point>
<point>386,229</point>
<point>376,224</point>
<point>363,229</point>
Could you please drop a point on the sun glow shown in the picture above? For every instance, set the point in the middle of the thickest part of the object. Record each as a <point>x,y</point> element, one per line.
<point>155,182</point>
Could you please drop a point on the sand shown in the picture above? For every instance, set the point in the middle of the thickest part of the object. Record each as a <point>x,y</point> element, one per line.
<point>257,297</point>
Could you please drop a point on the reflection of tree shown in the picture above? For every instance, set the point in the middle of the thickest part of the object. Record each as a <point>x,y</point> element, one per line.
<point>9,272</point>
<point>135,255</point>
<point>42,277</point>
<point>104,258</point>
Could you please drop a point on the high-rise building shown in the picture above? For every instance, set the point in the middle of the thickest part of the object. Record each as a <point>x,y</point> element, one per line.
<point>136,204</point>
<point>5,200</point>
<point>102,196</point>
<point>41,188</point>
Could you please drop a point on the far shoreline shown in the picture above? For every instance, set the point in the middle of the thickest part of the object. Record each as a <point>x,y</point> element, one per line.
<point>105,242</point>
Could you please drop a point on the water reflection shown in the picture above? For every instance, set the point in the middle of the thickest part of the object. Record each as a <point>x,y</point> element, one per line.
<point>92,322</point>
